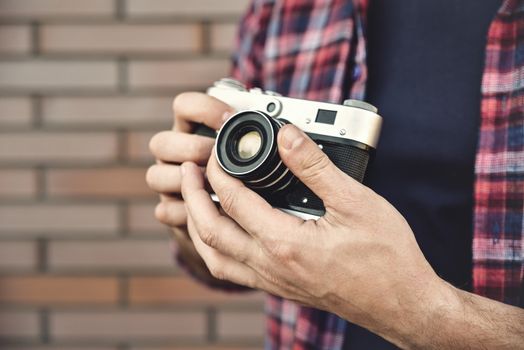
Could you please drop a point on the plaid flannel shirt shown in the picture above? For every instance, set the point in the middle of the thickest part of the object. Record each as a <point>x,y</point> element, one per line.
<point>316,49</point>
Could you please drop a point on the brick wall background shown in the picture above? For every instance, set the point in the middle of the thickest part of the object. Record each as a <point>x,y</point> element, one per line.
<point>84,84</point>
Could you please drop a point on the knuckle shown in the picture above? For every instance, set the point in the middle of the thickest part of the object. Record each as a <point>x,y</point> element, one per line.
<point>228,201</point>
<point>151,176</point>
<point>217,270</point>
<point>208,236</point>
<point>251,282</point>
<point>153,143</point>
<point>160,213</point>
<point>281,250</point>
<point>156,142</point>
<point>314,165</point>
<point>179,101</point>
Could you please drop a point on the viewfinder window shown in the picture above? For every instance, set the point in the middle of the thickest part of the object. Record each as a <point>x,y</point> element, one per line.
<point>326,117</point>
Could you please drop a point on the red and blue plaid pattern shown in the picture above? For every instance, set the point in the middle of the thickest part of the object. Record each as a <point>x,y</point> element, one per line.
<point>303,49</point>
<point>499,189</point>
<point>315,49</point>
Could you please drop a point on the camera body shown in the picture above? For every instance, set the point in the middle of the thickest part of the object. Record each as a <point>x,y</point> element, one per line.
<point>246,146</point>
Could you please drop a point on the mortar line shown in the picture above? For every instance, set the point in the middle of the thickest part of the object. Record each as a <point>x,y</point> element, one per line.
<point>211,324</point>
<point>120,9</point>
<point>35,39</point>
<point>41,254</point>
<point>205,37</point>
<point>45,331</point>
<point>122,75</point>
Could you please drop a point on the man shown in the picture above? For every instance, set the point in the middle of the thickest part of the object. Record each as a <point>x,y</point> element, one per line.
<point>370,271</point>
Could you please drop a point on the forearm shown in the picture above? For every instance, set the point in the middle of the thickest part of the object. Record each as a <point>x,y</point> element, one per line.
<point>474,322</point>
<point>449,318</point>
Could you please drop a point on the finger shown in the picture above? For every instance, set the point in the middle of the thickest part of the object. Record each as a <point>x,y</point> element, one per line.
<point>176,147</point>
<point>196,107</point>
<point>214,230</point>
<point>164,178</point>
<point>221,266</point>
<point>246,207</point>
<point>171,213</point>
<point>312,166</point>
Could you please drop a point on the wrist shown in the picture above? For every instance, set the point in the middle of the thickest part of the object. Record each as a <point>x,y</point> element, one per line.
<point>433,313</point>
<point>408,315</point>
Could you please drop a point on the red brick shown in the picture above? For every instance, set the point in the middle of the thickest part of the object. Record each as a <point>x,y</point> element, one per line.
<point>65,218</point>
<point>142,219</point>
<point>15,112</point>
<point>138,146</point>
<point>240,325</point>
<point>15,39</point>
<point>110,255</point>
<point>183,290</point>
<point>40,75</point>
<point>18,256</point>
<point>55,8</point>
<point>180,74</point>
<point>101,183</point>
<point>120,38</point>
<point>16,183</point>
<point>108,112</point>
<point>45,290</point>
<point>78,108</point>
<point>15,324</point>
<point>126,325</point>
<point>201,8</point>
<point>48,147</point>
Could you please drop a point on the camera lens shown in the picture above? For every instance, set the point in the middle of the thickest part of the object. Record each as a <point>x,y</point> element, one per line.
<point>249,145</point>
<point>246,148</point>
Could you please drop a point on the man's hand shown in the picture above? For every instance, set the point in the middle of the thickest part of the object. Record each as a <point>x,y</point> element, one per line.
<point>360,257</point>
<point>174,147</point>
<point>360,260</point>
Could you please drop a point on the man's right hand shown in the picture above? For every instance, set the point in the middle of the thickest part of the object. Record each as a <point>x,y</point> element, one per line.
<point>172,148</point>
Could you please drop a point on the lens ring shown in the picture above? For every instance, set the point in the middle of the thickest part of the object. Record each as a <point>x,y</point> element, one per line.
<point>264,170</point>
<point>225,142</point>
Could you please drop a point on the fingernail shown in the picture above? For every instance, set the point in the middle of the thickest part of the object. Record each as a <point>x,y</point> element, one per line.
<point>291,137</point>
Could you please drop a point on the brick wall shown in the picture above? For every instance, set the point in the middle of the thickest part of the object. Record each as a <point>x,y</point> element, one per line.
<point>83,264</point>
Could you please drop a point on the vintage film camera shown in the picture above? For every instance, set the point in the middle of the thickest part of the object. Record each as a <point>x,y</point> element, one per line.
<point>246,146</point>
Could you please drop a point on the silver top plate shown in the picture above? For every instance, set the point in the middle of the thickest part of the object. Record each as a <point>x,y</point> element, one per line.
<point>351,122</point>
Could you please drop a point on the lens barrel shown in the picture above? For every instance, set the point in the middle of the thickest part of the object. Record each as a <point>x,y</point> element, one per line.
<point>263,171</point>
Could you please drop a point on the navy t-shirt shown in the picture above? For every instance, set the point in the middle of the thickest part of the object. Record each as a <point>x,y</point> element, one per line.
<point>425,63</point>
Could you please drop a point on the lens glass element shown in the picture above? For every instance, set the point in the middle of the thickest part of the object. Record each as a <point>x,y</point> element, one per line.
<point>249,145</point>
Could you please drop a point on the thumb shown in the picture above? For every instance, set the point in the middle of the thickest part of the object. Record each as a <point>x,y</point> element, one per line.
<point>312,166</point>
